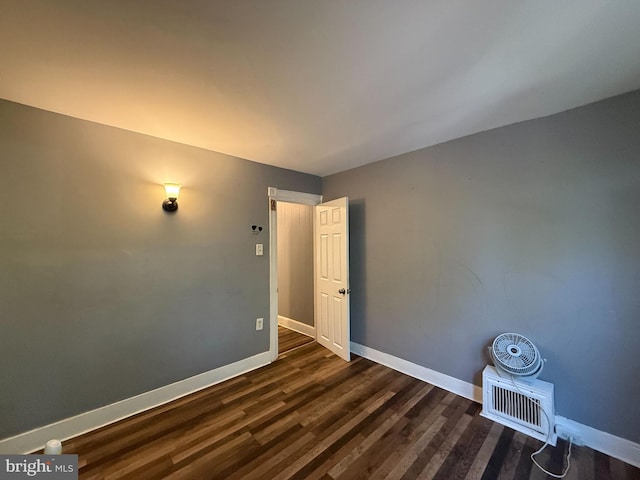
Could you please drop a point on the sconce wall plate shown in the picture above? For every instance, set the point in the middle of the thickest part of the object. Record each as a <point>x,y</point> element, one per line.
<point>170,205</point>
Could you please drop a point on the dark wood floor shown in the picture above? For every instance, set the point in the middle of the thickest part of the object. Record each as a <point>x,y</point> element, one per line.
<point>310,415</point>
<point>288,339</point>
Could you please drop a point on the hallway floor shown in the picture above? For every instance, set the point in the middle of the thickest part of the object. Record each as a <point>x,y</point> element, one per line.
<point>288,339</point>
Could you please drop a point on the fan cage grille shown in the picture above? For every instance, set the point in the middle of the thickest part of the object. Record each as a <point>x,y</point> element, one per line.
<point>516,354</point>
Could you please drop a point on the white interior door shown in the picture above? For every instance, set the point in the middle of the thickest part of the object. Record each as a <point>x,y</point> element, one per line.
<point>332,276</point>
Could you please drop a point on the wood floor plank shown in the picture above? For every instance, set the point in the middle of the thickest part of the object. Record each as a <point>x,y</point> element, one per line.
<point>479,465</point>
<point>312,416</point>
<point>336,397</point>
<point>523,469</point>
<point>498,455</point>
<point>323,430</point>
<point>329,440</point>
<point>574,474</point>
<point>601,466</point>
<point>430,450</point>
<point>512,458</point>
<point>197,468</point>
<point>385,422</point>
<point>204,440</point>
<point>290,340</point>
<point>389,442</point>
<point>464,452</point>
<point>270,458</point>
<point>444,449</point>
<point>405,391</point>
<point>586,466</point>
<point>424,420</point>
<point>543,458</point>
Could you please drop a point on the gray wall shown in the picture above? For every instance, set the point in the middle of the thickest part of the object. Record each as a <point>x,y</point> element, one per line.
<point>295,262</point>
<point>103,295</point>
<point>532,228</point>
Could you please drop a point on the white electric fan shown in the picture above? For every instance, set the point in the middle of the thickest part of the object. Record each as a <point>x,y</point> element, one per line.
<point>515,355</point>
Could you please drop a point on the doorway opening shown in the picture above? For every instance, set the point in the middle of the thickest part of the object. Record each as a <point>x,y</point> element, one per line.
<point>295,275</point>
<point>292,206</point>
<point>330,271</point>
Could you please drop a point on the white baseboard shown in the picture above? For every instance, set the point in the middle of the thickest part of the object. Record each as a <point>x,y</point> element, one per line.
<point>617,447</point>
<point>71,427</point>
<point>451,384</point>
<point>297,326</point>
<point>620,448</point>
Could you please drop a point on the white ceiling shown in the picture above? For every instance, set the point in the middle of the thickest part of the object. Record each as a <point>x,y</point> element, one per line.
<point>318,86</point>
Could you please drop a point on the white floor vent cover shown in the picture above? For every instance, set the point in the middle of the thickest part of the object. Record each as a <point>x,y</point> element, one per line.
<point>518,408</point>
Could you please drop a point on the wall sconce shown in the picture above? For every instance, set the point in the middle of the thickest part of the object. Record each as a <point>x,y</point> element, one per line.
<point>172,190</point>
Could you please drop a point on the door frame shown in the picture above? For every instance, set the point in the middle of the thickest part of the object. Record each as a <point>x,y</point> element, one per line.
<point>277,195</point>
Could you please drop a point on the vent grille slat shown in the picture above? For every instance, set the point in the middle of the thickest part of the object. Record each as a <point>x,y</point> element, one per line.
<point>522,410</point>
<point>517,405</point>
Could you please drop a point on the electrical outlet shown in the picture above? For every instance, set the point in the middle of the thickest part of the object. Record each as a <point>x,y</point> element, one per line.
<point>259,323</point>
<point>567,432</point>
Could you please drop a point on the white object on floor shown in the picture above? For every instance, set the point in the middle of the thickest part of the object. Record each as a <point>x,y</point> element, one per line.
<point>53,447</point>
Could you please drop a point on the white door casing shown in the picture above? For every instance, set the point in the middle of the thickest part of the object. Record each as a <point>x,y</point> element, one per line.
<point>276,195</point>
<point>332,276</point>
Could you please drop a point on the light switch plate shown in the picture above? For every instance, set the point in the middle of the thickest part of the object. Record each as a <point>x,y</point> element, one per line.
<point>259,249</point>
